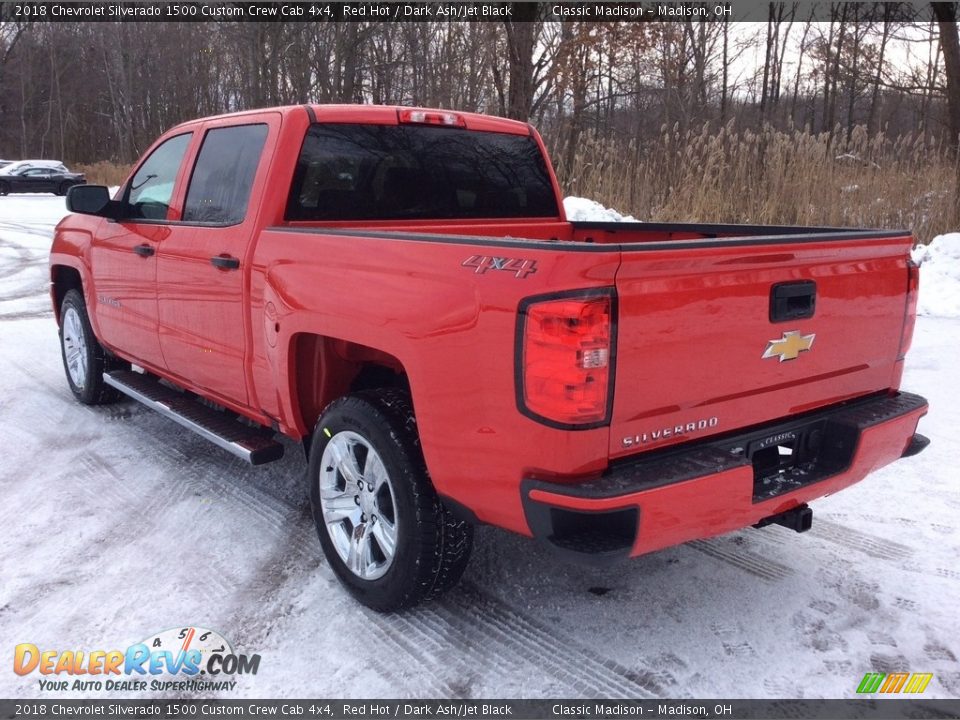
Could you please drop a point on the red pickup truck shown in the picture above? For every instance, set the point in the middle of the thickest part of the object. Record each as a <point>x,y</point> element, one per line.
<point>399,290</point>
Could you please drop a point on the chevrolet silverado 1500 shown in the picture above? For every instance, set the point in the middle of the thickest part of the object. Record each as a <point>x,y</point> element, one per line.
<point>400,290</point>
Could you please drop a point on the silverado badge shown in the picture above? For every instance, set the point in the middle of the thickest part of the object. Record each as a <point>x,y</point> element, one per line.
<point>789,346</point>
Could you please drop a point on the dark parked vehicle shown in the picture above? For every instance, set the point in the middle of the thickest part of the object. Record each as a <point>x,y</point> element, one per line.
<point>38,180</point>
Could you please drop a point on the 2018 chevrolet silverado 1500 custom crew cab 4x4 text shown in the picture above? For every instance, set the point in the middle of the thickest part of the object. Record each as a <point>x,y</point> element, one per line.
<point>399,289</point>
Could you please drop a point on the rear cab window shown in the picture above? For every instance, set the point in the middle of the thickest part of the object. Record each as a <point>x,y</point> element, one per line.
<point>413,172</point>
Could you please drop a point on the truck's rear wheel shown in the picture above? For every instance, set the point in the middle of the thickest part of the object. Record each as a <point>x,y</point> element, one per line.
<point>382,527</point>
<point>84,359</point>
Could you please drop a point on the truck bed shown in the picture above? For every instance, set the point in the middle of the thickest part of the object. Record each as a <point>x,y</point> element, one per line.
<point>693,313</point>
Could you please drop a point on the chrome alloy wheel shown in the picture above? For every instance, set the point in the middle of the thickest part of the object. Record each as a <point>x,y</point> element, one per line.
<point>75,347</point>
<point>358,504</point>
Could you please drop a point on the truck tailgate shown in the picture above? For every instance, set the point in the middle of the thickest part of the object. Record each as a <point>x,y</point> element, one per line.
<point>712,336</point>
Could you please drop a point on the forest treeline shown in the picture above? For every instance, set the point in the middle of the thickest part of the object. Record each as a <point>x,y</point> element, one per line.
<point>853,119</point>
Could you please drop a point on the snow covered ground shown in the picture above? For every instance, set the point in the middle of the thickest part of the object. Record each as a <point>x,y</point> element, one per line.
<point>118,524</point>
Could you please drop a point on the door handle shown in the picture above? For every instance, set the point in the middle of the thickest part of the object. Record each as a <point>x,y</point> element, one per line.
<point>144,250</point>
<point>225,262</point>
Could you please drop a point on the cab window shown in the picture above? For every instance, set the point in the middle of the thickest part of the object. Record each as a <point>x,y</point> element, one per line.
<point>412,172</point>
<point>150,189</point>
<point>223,175</point>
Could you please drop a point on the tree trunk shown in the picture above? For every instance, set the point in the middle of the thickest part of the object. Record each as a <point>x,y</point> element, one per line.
<point>854,73</point>
<point>726,70</point>
<point>946,14</point>
<point>521,37</point>
<point>796,79</point>
<point>767,60</point>
<point>873,120</point>
<point>834,76</point>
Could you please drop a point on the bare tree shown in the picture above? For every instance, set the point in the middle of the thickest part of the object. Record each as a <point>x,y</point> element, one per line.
<point>946,15</point>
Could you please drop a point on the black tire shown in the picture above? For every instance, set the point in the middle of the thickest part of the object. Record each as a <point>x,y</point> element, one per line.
<point>432,546</point>
<point>4,188</point>
<point>62,190</point>
<point>91,389</point>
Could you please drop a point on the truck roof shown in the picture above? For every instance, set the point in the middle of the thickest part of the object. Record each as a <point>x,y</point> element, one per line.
<point>376,114</point>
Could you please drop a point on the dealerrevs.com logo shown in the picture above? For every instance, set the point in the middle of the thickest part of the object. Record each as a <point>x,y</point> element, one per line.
<point>179,659</point>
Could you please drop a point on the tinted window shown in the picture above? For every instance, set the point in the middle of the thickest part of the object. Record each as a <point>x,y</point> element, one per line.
<point>222,178</point>
<point>152,186</point>
<point>382,172</point>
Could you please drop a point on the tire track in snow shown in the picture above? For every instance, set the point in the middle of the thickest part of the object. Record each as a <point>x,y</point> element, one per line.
<point>444,642</point>
<point>486,632</point>
<point>402,635</point>
<point>746,560</point>
<point>468,630</point>
<point>36,291</point>
<point>26,315</point>
<point>23,260</point>
<point>25,269</point>
<point>871,545</point>
<point>563,656</point>
<point>100,481</point>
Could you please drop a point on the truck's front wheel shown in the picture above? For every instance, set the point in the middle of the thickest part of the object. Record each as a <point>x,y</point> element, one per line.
<point>84,359</point>
<point>382,527</point>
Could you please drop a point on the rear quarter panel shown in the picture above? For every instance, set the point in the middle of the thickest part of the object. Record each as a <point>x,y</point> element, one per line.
<point>452,328</point>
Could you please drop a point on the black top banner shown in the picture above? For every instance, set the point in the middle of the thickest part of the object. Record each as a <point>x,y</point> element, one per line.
<point>282,11</point>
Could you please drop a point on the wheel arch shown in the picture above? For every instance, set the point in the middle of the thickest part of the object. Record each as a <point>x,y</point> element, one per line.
<point>323,368</point>
<point>64,278</point>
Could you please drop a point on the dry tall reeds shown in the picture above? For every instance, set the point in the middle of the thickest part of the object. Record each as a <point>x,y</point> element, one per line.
<point>771,177</point>
<point>768,177</point>
<point>103,172</point>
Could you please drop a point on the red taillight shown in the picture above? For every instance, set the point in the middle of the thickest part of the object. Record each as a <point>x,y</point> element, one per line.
<point>431,117</point>
<point>565,363</point>
<point>910,312</point>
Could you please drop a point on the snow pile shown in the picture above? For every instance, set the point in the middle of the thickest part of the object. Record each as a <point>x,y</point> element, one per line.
<point>580,209</point>
<point>939,276</point>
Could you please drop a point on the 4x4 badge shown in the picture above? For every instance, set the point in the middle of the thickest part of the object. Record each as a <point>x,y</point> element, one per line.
<point>789,346</point>
<point>518,266</point>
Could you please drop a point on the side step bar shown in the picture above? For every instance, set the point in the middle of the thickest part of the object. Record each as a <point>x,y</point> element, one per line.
<point>255,446</point>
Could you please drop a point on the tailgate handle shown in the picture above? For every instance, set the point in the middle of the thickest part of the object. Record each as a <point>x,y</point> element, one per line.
<point>793,300</point>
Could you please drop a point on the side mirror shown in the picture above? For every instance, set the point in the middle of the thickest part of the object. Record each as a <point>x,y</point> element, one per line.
<point>89,200</point>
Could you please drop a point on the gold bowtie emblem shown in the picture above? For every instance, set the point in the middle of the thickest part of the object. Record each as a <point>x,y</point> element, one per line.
<point>789,346</point>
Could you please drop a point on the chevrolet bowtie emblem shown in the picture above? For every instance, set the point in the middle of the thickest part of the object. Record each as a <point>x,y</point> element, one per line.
<point>789,346</point>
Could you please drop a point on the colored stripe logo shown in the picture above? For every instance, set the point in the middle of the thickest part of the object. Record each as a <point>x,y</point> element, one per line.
<point>894,683</point>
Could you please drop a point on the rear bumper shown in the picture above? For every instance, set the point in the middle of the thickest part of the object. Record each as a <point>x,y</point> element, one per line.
<point>708,488</point>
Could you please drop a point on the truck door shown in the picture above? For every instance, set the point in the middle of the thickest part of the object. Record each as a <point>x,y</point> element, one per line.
<point>124,260</point>
<point>200,272</point>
